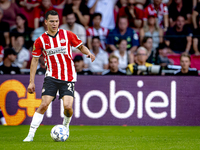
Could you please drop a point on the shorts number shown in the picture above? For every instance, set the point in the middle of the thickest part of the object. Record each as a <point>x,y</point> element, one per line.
<point>70,86</point>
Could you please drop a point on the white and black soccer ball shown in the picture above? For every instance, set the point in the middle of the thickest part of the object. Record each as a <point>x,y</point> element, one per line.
<point>59,133</point>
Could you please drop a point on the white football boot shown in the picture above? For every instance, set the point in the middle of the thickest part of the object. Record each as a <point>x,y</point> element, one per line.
<point>29,138</point>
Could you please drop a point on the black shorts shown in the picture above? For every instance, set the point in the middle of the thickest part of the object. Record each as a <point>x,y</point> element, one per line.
<point>51,86</point>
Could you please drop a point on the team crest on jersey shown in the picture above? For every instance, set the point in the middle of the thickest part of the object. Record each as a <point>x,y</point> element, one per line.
<point>62,41</point>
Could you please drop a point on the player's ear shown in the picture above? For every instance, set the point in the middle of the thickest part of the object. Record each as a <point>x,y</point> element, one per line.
<point>45,21</point>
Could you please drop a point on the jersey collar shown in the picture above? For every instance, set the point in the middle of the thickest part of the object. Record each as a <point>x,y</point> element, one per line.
<point>51,35</point>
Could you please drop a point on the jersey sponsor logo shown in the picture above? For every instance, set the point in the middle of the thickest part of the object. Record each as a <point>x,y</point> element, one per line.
<point>47,44</point>
<point>62,41</point>
<point>57,50</point>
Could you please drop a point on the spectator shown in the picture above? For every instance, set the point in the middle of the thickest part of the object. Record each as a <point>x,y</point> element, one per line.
<point>167,2</point>
<point>42,69</point>
<point>179,37</point>
<point>76,28</point>
<point>122,54</point>
<point>160,11</point>
<point>113,67</point>
<point>123,32</point>
<point>185,64</point>
<point>147,43</point>
<point>101,60</point>
<point>21,29</point>
<point>195,16</point>
<point>1,53</point>
<point>162,59</point>
<point>140,3</point>
<point>196,39</point>
<point>4,31</point>
<point>27,9</point>
<point>140,67</point>
<point>40,11</point>
<point>106,8</point>
<point>23,54</point>
<point>2,119</point>
<point>7,66</point>
<point>97,30</point>
<point>59,6</point>
<point>120,4</point>
<point>80,10</point>
<point>10,11</point>
<point>38,32</point>
<point>179,9</point>
<point>79,66</point>
<point>153,30</point>
<point>133,13</point>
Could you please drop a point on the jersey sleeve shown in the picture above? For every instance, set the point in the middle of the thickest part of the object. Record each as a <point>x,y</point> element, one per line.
<point>37,48</point>
<point>74,40</point>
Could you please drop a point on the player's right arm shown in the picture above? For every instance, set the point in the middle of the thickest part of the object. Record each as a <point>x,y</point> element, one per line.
<point>33,68</point>
<point>37,51</point>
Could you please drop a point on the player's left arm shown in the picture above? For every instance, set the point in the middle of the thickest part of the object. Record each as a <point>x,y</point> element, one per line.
<point>86,51</point>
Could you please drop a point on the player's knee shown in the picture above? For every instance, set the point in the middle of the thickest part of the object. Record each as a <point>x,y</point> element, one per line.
<point>67,107</point>
<point>44,106</point>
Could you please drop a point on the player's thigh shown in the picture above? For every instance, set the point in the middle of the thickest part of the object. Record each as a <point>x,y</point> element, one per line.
<point>50,87</point>
<point>66,89</point>
<point>67,101</point>
<point>46,99</point>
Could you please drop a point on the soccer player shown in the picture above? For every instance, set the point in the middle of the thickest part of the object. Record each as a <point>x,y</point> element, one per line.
<point>55,45</point>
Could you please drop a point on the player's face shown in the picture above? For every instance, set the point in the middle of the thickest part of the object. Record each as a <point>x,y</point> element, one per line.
<point>185,63</point>
<point>52,23</point>
<point>114,64</point>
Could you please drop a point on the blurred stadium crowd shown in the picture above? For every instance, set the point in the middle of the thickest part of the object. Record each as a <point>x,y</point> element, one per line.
<point>128,37</point>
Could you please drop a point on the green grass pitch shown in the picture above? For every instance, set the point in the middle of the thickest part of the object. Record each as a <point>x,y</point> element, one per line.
<point>104,138</point>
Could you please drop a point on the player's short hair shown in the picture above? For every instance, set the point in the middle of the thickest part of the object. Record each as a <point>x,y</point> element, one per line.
<point>185,55</point>
<point>113,56</point>
<point>51,12</point>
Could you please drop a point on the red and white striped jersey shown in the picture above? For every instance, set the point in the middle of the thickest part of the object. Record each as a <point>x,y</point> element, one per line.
<point>57,53</point>
<point>101,32</point>
<point>150,11</point>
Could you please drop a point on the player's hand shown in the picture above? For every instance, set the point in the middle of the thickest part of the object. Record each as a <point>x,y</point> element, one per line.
<point>31,88</point>
<point>91,56</point>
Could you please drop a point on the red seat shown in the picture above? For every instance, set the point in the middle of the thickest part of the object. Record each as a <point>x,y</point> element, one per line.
<point>175,58</point>
<point>195,62</point>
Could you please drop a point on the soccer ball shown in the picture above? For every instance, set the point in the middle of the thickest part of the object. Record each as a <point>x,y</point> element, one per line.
<point>59,133</point>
